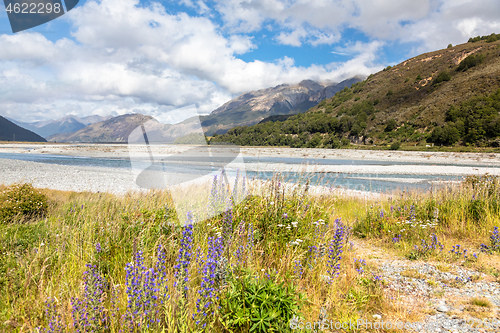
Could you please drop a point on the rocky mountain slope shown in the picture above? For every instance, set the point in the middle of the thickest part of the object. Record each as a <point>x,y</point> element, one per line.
<point>12,132</point>
<point>252,107</point>
<point>115,129</point>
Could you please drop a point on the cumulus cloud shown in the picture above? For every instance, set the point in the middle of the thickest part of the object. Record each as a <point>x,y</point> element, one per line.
<point>124,56</point>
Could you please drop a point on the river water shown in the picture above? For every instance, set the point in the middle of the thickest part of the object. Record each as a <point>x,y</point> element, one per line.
<point>382,182</point>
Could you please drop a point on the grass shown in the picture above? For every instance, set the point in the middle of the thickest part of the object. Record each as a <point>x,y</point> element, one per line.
<point>482,302</point>
<point>119,247</point>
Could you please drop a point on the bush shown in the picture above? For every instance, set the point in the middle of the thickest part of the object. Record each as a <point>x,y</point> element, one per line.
<point>395,145</point>
<point>22,200</point>
<point>443,76</point>
<point>470,61</point>
<point>489,39</point>
<point>390,125</point>
<point>259,305</point>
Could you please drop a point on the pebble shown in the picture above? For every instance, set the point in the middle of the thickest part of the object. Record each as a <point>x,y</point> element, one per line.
<point>442,308</point>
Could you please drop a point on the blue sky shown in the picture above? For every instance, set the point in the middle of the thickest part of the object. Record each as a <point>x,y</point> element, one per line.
<point>154,57</point>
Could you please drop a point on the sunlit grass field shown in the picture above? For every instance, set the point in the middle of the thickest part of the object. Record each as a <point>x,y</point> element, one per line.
<point>94,262</point>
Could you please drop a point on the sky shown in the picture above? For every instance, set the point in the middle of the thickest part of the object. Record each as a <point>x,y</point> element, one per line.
<point>113,57</point>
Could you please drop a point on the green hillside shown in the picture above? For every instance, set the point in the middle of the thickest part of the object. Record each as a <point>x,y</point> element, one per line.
<point>446,97</point>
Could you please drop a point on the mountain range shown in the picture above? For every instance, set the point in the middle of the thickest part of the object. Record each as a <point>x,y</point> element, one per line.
<point>113,130</point>
<point>66,124</point>
<point>247,109</point>
<point>285,99</point>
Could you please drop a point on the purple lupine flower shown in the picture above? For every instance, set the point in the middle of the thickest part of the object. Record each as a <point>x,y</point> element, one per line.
<point>184,258</point>
<point>146,290</point>
<point>298,269</point>
<point>98,247</point>
<point>495,239</point>
<point>53,317</point>
<point>208,293</point>
<point>335,250</point>
<point>89,312</point>
<point>412,212</point>
<point>250,238</point>
<point>227,227</point>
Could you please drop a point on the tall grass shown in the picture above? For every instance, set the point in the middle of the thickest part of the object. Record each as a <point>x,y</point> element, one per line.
<point>107,263</point>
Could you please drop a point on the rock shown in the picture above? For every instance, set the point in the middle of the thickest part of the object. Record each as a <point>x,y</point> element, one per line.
<point>442,308</point>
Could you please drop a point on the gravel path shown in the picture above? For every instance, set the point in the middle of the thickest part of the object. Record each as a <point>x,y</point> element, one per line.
<point>441,292</point>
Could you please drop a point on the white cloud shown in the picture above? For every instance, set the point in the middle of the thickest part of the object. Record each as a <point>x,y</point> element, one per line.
<point>123,56</point>
<point>293,38</point>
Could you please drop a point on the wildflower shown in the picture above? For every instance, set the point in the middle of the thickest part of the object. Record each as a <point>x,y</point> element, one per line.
<point>184,258</point>
<point>285,215</point>
<point>335,249</point>
<point>377,279</point>
<point>298,269</point>
<point>88,313</point>
<point>359,265</point>
<point>208,292</point>
<point>396,239</point>
<point>53,318</point>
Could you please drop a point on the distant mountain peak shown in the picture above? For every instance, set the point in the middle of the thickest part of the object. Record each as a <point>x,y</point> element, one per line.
<point>66,124</point>
<point>284,99</point>
<point>116,129</point>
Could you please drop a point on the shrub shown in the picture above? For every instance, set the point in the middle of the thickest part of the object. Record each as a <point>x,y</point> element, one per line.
<point>443,76</point>
<point>390,125</point>
<point>470,61</point>
<point>259,305</point>
<point>22,200</point>
<point>395,145</point>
